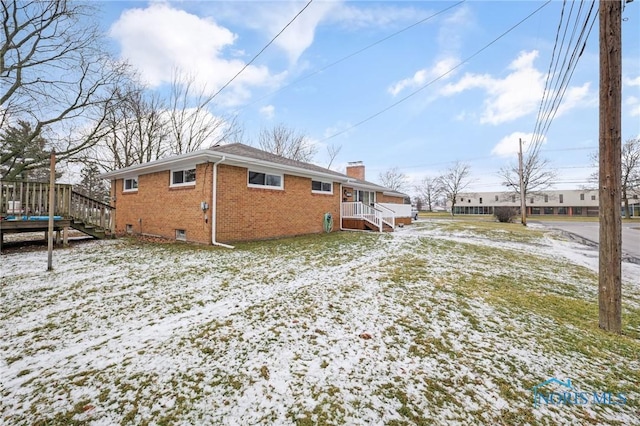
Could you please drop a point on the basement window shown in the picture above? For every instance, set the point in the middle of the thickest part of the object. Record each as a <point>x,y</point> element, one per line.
<point>321,187</point>
<point>130,185</point>
<point>129,228</point>
<point>183,177</point>
<point>181,235</point>
<point>260,179</point>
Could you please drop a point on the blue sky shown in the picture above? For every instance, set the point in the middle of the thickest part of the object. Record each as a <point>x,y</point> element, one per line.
<point>474,113</point>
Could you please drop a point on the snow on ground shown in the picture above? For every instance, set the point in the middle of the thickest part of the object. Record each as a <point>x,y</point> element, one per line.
<point>436,323</point>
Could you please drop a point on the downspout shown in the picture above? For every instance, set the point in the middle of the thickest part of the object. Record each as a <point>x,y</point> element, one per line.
<point>214,206</point>
<point>341,195</point>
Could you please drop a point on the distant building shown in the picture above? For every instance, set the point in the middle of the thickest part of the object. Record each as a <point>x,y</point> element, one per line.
<point>567,202</point>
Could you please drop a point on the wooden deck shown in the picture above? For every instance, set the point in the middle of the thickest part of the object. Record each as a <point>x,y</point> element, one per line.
<point>24,207</point>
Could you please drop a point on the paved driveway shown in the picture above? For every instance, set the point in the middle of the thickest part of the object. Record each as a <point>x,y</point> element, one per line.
<point>590,231</point>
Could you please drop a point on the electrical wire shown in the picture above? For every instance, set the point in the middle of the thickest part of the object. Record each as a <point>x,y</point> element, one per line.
<point>262,50</point>
<point>421,88</point>
<point>558,77</point>
<point>351,55</point>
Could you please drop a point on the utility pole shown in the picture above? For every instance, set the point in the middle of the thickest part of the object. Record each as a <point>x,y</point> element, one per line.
<point>610,260</point>
<point>52,211</point>
<point>523,195</point>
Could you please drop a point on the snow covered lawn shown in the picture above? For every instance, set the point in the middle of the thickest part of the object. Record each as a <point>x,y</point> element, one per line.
<point>446,322</point>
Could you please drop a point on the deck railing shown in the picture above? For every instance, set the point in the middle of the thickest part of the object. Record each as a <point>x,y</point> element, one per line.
<point>21,200</point>
<point>374,215</point>
<point>26,199</point>
<point>91,211</point>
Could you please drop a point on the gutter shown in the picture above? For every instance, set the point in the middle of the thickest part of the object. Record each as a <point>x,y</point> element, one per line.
<point>214,205</point>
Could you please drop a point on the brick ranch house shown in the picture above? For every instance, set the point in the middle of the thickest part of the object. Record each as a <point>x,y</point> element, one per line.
<point>231,193</point>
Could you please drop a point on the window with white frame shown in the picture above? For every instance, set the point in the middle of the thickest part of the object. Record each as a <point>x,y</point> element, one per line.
<point>263,179</point>
<point>130,184</point>
<point>321,187</point>
<point>181,235</point>
<point>183,177</point>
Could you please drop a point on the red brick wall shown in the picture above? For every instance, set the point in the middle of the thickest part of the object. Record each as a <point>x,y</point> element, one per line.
<point>158,209</point>
<point>255,213</point>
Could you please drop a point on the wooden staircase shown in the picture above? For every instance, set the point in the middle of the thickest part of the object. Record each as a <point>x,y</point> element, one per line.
<point>91,216</point>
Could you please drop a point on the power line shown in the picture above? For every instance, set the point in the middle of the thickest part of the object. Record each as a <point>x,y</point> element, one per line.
<point>421,88</point>
<point>558,78</point>
<point>349,56</point>
<point>262,50</point>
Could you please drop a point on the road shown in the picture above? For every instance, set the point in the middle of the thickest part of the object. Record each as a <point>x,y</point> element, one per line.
<point>590,231</point>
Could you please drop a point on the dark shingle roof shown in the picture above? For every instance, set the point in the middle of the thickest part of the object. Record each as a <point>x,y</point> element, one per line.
<point>258,154</point>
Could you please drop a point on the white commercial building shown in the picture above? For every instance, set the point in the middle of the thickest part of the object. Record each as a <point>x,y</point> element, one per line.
<point>567,202</point>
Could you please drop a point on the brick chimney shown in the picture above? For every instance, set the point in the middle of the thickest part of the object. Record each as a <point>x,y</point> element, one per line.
<point>355,169</point>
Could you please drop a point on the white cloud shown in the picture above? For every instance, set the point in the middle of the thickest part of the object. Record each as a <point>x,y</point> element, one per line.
<point>634,106</point>
<point>453,27</point>
<point>518,94</point>
<point>159,39</point>
<point>270,18</point>
<point>267,111</point>
<point>509,145</point>
<point>441,69</point>
<point>377,16</point>
<point>339,127</point>
<point>628,81</point>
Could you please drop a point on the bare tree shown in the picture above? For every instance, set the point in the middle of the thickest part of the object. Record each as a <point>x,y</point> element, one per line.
<point>55,76</point>
<point>429,190</point>
<point>136,131</point>
<point>333,151</point>
<point>393,179</point>
<point>536,175</point>
<point>453,181</point>
<point>287,142</point>
<point>191,123</point>
<point>630,172</point>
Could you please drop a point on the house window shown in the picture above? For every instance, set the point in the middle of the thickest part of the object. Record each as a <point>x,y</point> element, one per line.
<point>129,228</point>
<point>562,210</point>
<point>581,197</point>
<point>461,199</point>
<point>593,198</point>
<point>561,198</point>
<point>531,200</point>
<point>513,198</point>
<point>469,200</point>
<point>181,235</point>
<point>480,200</point>
<point>577,210</point>
<point>131,184</point>
<point>183,177</point>
<point>323,187</point>
<point>635,197</point>
<point>546,199</point>
<point>496,198</point>
<point>548,210</point>
<point>265,179</point>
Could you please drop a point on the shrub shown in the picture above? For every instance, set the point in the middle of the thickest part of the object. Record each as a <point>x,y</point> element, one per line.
<point>505,214</point>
